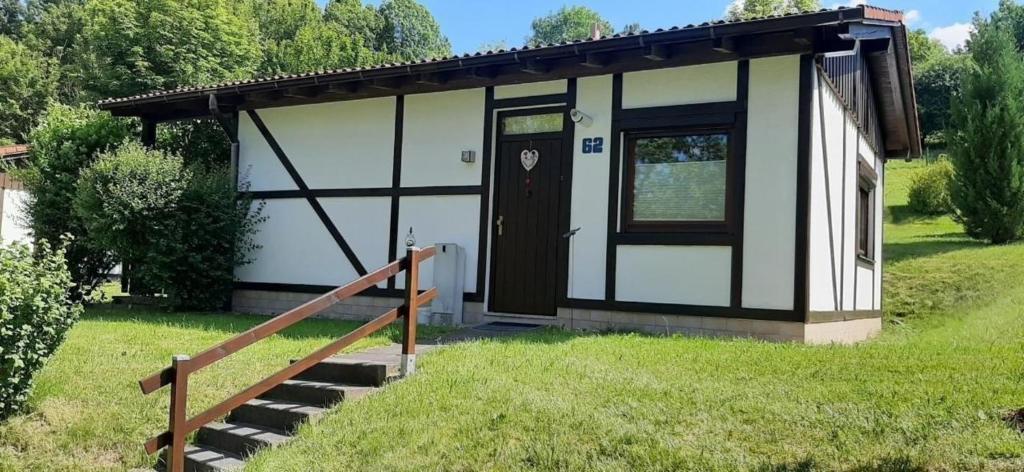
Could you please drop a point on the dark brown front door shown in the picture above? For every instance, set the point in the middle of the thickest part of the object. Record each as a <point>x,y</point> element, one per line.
<point>525,226</point>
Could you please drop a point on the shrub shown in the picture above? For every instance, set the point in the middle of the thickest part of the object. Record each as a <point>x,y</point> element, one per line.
<point>69,140</point>
<point>929,189</point>
<point>200,142</point>
<point>986,138</point>
<point>126,199</point>
<point>35,314</point>
<point>184,228</point>
<point>212,233</point>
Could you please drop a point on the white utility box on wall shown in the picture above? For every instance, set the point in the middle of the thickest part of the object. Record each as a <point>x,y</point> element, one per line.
<point>449,278</point>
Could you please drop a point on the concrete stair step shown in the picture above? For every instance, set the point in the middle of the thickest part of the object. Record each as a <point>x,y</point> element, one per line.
<point>323,394</point>
<point>206,459</point>
<point>351,372</point>
<point>275,414</point>
<point>240,439</point>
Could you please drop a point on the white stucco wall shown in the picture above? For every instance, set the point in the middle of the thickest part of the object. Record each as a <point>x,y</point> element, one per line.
<point>705,83</point>
<point>445,219</point>
<point>364,222</point>
<point>838,280</point>
<point>770,202</point>
<point>589,207</point>
<point>332,145</point>
<point>296,249</point>
<point>692,275</point>
<point>13,227</point>
<point>437,127</point>
<point>531,89</point>
<point>825,247</point>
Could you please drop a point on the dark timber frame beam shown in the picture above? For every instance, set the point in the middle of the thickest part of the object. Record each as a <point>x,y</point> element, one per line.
<point>149,133</point>
<point>313,202</point>
<point>228,124</point>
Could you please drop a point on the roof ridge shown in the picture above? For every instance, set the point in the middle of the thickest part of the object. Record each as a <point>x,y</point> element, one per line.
<point>879,14</point>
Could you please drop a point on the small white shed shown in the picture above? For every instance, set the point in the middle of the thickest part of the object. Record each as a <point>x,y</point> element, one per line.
<point>13,197</point>
<point>715,179</point>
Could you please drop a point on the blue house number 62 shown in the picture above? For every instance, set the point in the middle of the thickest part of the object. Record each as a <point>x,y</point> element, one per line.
<point>593,145</point>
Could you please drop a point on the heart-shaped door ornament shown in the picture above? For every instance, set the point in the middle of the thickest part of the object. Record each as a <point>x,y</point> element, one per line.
<point>529,158</point>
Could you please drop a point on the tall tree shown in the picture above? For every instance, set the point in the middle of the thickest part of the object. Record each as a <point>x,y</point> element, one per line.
<point>357,20</point>
<point>12,15</point>
<point>747,9</point>
<point>322,46</point>
<point>987,137</point>
<point>923,48</point>
<point>53,29</point>
<point>567,24</point>
<point>27,83</point>
<point>409,32</point>
<point>936,82</point>
<point>133,46</point>
<point>279,21</point>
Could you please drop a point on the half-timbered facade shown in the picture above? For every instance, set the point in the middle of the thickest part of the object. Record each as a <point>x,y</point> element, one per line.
<point>718,179</point>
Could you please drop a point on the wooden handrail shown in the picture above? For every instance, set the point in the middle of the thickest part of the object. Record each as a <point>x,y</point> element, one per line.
<point>179,425</point>
<point>274,325</point>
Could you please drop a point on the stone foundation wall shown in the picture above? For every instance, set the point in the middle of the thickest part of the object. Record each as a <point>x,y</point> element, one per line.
<point>601,320</point>
<point>358,308</point>
<point>362,308</point>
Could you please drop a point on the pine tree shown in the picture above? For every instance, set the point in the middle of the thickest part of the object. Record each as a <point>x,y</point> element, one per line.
<point>987,138</point>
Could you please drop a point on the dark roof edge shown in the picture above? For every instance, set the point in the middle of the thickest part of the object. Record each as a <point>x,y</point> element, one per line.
<point>906,77</point>
<point>673,35</point>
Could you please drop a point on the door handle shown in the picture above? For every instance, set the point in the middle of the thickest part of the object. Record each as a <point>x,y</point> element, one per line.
<point>501,227</point>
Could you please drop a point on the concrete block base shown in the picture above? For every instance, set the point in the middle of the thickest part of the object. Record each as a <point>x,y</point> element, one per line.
<point>363,308</point>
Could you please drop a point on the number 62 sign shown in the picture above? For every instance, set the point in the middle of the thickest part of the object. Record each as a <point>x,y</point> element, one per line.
<point>593,145</point>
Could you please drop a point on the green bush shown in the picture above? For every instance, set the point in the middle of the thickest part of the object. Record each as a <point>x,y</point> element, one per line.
<point>36,312</point>
<point>184,228</point>
<point>69,140</point>
<point>201,142</point>
<point>929,189</point>
<point>126,199</point>
<point>212,233</point>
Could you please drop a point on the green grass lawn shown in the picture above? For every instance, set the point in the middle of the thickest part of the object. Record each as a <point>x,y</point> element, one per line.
<point>929,394</point>
<point>87,412</point>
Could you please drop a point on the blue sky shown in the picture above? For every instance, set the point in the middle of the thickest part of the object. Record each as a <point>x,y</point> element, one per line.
<point>472,23</point>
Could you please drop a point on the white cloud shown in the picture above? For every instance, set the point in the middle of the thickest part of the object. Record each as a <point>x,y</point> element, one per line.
<point>952,36</point>
<point>912,16</point>
<point>848,4</point>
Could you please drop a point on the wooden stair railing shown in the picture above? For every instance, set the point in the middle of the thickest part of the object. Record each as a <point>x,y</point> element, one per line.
<point>177,375</point>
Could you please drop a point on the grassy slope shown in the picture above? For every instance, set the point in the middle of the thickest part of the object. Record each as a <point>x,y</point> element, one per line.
<point>87,411</point>
<point>928,395</point>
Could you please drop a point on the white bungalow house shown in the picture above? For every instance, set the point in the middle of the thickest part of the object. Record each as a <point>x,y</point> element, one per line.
<point>714,179</point>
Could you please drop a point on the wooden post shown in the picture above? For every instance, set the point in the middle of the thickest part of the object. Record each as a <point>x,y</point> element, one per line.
<point>179,414</point>
<point>149,133</point>
<point>412,278</point>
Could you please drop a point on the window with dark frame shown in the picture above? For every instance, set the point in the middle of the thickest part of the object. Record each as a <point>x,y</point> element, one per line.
<point>866,213</point>
<point>677,180</point>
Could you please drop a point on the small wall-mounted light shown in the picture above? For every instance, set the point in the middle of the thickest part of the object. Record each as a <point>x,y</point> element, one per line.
<point>580,118</point>
<point>468,156</point>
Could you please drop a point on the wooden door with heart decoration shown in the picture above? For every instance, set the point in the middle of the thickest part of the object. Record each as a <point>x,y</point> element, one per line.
<point>525,232</point>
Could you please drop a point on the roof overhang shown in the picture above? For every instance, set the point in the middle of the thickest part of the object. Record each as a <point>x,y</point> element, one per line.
<point>13,155</point>
<point>694,44</point>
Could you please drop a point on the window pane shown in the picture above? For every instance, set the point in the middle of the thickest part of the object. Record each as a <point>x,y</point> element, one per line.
<point>863,222</point>
<point>530,124</point>
<point>680,178</point>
